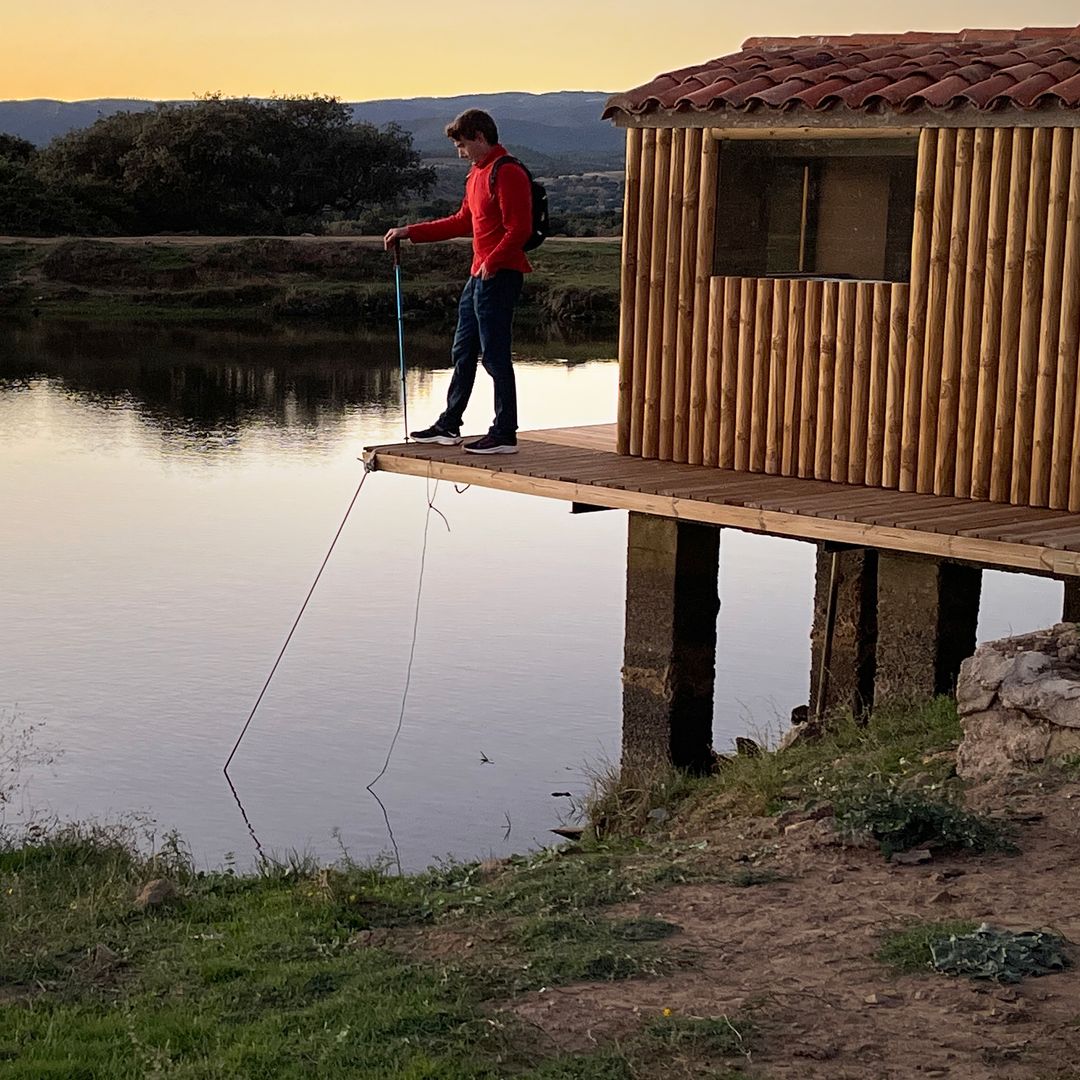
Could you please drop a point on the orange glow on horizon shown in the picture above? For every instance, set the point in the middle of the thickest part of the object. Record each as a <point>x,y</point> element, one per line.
<point>73,50</point>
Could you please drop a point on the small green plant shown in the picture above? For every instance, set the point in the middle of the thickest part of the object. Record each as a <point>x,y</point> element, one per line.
<point>908,950</point>
<point>902,819</point>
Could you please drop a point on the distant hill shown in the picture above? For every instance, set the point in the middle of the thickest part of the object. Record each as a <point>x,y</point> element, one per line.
<point>555,132</point>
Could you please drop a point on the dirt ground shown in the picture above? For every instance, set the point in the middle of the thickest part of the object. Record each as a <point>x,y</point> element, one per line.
<point>798,957</point>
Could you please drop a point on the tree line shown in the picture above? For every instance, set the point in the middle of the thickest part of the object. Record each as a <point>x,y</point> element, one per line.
<point>217,166</point>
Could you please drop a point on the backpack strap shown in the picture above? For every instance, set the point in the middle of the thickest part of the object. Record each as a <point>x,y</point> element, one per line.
<point>506,158</point>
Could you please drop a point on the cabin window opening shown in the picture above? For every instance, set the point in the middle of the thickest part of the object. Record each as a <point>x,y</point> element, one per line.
<point>834,208</point>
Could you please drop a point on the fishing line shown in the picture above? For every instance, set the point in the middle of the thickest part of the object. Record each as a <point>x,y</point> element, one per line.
<point>416,623</point>
<point>296,623</point>
<point>431,494</point>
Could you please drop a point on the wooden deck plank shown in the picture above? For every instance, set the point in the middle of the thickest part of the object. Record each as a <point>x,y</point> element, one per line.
<point>590,437</point>
<point>568,464</point>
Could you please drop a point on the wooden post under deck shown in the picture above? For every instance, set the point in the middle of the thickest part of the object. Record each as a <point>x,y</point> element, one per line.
<point>670,651</point>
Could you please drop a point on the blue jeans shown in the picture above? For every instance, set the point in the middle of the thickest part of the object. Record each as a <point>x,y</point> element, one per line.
<point>484,328</point>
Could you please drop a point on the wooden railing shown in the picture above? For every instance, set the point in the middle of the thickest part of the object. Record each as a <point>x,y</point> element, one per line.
<point>963,383</point>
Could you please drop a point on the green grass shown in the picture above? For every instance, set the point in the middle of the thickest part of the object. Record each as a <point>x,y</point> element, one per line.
<point>264,975</point>
<point>908,950</point>
<point>895,743</point>
<point>904,819</point>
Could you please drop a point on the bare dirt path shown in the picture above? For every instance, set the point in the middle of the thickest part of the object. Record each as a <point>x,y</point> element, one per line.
<point>798,957</point>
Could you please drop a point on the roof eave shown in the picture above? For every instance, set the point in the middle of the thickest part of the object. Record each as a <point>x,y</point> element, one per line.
<point>1049,115</point>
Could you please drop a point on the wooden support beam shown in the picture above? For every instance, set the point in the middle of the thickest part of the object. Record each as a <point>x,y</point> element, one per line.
<point>627,286</point>
<point>687,286</point>
<point>641,289</point>
<point>706,243</point>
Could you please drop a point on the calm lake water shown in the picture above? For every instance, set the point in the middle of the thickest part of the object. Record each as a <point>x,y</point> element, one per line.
<point>166,496</point>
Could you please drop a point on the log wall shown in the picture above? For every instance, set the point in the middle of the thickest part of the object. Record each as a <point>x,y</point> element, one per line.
<point>961,382</point>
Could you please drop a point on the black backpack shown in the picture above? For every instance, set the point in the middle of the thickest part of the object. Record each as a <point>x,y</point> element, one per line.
<point>540,225</point>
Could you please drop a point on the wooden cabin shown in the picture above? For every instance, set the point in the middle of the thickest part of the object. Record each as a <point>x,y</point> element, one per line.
<point>850,314</point>
<point>858,259</point>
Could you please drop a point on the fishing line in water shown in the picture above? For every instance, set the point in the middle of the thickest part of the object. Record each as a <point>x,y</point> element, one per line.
<point>431,495</point>
<point>296,623</point>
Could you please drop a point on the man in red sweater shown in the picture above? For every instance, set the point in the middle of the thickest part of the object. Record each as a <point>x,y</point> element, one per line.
<point>497,213</point>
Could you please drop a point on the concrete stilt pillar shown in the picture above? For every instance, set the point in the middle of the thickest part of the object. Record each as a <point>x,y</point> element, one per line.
<point>670,651</point>
<point>928,611</point>
<point>849,678</point>
<point>1070,604</point>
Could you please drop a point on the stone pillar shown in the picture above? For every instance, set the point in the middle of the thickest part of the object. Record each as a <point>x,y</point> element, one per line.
<point>670,651</point>
<point>1070,604</point>
<point>928,612</point>
<point>849,680</point>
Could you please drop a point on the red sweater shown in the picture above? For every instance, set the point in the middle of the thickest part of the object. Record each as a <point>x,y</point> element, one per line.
<point>499,224</point>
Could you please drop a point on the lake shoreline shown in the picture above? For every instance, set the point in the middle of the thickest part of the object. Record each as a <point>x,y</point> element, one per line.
<point>287,280</point>
<point>712,920</point>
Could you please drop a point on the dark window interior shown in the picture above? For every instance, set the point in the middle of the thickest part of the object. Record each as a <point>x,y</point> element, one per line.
<point>837,208</point>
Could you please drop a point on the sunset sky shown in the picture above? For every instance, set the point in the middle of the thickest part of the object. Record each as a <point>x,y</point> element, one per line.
<point>74,49</point>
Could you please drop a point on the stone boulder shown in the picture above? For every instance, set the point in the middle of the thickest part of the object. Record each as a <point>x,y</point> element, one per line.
<point>1019,702</point>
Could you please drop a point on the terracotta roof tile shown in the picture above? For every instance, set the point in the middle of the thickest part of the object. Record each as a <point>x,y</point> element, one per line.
<point>989,70</point>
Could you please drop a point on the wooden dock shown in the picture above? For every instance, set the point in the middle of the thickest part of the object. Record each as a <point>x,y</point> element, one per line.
<point>580,465</point>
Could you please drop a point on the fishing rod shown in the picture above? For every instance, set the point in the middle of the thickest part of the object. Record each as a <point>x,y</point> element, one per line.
<point>396,251</point>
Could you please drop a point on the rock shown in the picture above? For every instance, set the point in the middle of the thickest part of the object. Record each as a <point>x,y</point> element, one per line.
<point>658,815</point>
<point>488,868</point>
<point>911,858</point>
<point>155,893</point>
<point>805,825</point>
<point>942,897</point>
<point>1019,703</point>
<point>747,747</point>
<point>888,1000</point>
<point>571,832</point>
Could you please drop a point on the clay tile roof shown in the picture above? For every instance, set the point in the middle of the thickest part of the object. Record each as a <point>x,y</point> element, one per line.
<point>984,70</point>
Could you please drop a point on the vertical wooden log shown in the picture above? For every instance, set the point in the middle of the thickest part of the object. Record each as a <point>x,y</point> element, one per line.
<point>774,394</point>
<point>826,385</point>
<point>789,456</point>
<point>1057,212</point>
<point>990,337</point>
<point>930,380</point>
<point>1027,366</point>
<point>1068,336</point>
<point>1011,299</point>
<point>944,468</point>
<point>706,242</point>
<point>627,284</point>
<point>879,380</point>
<point>759,414</point>
<point>744,386</point>
<point>808,392</point>
<point>899,308</point>
<point>650,435</point>
<point>672,265</point>
<point>687,282</point>
<point>842,375</point>
<point>922,237</point>
<point>714,361</point>
<point>729,376</point>
<point>860,383</point>
<point>641,287</point>
<point>978,221</point>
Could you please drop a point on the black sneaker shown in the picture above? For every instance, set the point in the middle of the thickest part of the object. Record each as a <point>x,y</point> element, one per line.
<point>493,444</point>
<point>436,434</point>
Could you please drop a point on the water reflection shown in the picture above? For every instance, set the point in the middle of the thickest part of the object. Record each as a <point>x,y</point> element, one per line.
<point>165,496</point>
